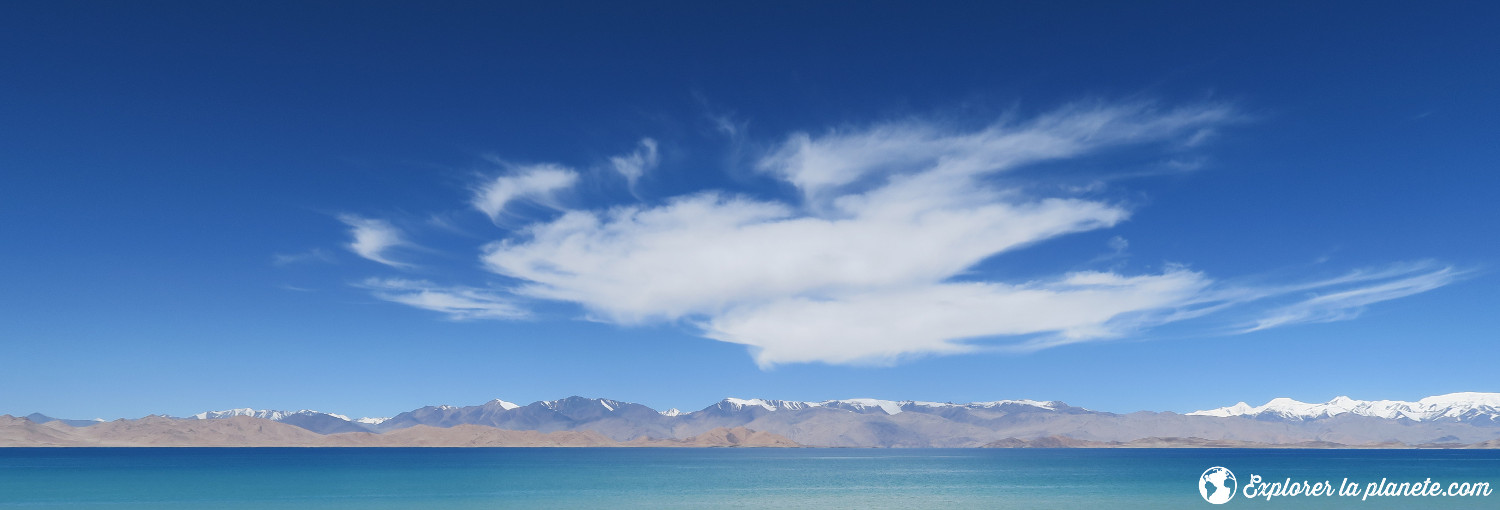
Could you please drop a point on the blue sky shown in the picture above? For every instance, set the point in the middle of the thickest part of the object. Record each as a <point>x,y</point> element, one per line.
<point>368,208</point>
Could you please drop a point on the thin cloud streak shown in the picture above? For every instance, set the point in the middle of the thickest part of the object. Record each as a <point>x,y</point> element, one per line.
<point>1348,303</point>
<point>458,303</point>
<point>1328,300</point>
<point>313,255</point>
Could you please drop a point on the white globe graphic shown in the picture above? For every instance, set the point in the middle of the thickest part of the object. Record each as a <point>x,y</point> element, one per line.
<point>1217,485</point>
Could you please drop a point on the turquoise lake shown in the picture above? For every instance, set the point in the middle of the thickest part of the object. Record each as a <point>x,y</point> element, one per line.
<point>814,478</point>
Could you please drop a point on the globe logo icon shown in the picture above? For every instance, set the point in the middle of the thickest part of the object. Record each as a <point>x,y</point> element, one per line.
<point>1217,485</point>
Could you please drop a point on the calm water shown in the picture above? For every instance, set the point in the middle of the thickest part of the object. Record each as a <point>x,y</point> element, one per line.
<point>386,478</point>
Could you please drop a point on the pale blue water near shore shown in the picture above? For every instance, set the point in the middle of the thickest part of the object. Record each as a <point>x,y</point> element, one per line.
<point>488,478</point>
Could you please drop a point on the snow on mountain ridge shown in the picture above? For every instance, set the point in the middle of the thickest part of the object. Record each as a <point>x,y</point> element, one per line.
<point>769,405</point>
<point>995,404</point>
<point>890,407</point>
<point>559,404</point>
<point>261,413</point>
<point>1454,406</point>
<point>274,415</point>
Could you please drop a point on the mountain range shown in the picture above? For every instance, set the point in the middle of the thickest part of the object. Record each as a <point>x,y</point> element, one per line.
<point>1453,407</point>
<point>1449,420</point>
<point>250,431</point>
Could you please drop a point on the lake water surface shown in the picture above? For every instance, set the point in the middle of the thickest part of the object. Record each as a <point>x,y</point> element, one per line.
<point>813,478</point>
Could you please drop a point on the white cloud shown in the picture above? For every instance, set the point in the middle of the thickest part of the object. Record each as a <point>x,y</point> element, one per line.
<point>313,255</point>
<point>882,325</point>
<point>705,253</point>
<point>458,303</point>
<point>373,238</point>
<point>874,260</point>
<point>1347,296</point>
<point>532,182</point>
<point>861,270</point>
<point>636,164</point>
<point>821,166</point>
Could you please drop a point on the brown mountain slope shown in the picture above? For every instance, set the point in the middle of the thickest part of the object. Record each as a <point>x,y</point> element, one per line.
<point>723,437</point>
<point>160,431</point>
<point>23,432</point>
<point>471,436</point>
<point>1048,442</point>
<point>1493,443</point>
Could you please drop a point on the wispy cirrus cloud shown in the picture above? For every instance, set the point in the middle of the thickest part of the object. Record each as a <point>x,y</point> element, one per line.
<point>635,164</point>
<point>1347,296</point>
<point>373,238</point>
<point>457,302</point>
<point>530,182</point>
<point>1250,307</point>
<point>870,261</point>
<point>826,165</point>
<point>309,256</point>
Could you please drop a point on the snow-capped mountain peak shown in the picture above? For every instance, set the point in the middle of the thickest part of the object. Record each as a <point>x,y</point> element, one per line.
<point>671,412</point>
<point>502,404</point>
<point>1451,407</point>
<point>861,404</point>
<point>1239,409</point>
<point>574,404</point>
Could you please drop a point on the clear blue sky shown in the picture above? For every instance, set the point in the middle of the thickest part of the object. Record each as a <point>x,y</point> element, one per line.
<point>366,207</point>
